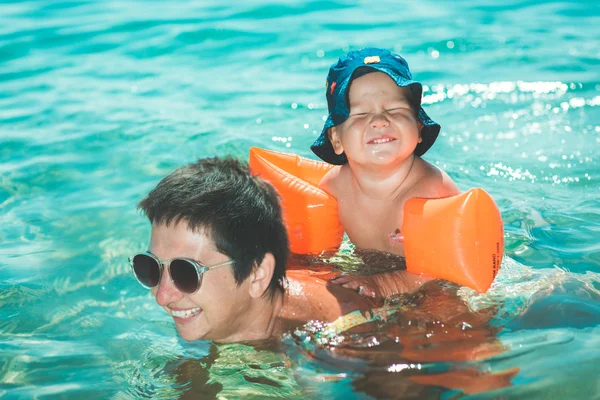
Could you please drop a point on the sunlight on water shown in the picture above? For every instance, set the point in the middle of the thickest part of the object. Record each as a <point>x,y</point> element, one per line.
<point>99,100</point>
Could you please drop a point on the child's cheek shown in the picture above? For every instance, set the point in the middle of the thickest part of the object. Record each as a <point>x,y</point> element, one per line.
<point>357,123</point>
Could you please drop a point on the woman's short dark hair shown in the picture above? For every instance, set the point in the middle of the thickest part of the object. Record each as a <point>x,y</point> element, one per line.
<point>241,213</point>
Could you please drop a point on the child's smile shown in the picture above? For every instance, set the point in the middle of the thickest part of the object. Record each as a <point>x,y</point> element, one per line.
<point>381,140</point>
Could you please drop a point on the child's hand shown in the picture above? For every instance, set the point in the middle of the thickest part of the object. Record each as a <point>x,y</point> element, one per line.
<point>364,285</point>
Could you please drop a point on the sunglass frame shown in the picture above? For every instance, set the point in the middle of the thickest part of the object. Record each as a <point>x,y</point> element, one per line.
<point>162,264</point>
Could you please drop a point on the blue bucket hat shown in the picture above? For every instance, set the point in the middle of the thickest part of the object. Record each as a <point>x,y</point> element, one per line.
<point>338,82</point>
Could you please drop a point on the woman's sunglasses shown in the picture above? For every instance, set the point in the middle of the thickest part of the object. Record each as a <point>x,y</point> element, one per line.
<point>186,274</point>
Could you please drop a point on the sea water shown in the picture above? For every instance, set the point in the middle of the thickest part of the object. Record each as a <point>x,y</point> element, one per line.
<point>101,99</point>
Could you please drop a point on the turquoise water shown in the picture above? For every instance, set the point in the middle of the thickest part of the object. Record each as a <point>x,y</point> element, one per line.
<point>100,99</point>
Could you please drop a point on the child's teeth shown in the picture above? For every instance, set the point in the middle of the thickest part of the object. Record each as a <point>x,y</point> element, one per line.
<point>185,313</point>
<point>377,141</point>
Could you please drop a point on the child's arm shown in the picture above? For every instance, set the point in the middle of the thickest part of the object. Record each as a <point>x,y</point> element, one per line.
<point>383,285</point>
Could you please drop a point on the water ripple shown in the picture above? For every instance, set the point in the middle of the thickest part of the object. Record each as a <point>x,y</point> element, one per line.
<point>99,100</point>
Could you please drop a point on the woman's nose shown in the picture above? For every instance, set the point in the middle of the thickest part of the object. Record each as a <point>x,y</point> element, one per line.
<point>166,292</point>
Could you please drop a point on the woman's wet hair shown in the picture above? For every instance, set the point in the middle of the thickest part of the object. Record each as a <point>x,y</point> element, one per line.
<point>241,213</point>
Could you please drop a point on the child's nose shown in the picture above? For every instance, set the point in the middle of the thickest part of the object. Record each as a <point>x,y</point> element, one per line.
<point>166,292</point>
<point>379,121</point>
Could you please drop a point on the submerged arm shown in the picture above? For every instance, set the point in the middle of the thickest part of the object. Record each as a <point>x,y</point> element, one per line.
<point>383,285</point>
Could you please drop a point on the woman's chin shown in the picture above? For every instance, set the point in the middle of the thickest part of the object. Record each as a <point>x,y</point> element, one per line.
<point>189,334</point>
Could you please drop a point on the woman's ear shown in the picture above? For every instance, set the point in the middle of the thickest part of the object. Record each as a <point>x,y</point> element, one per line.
<point>261,276</point>
<point>336,142</point>
<point>421,126</point>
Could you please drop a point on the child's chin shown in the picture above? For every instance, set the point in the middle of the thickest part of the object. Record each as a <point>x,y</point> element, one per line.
<point>385,156</point>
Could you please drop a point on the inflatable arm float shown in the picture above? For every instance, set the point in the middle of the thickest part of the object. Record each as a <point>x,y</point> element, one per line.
<point>458,238</point>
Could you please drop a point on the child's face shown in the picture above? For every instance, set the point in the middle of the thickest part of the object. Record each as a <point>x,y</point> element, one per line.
<point>382,127</point>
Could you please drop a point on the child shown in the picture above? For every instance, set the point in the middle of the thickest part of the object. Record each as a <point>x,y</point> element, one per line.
<point>376,133</point>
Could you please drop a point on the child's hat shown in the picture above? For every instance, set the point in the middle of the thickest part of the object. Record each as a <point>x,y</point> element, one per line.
<point>338,82</point>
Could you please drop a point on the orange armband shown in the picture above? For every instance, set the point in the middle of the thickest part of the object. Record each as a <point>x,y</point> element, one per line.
<point>458,238</point>
<point>310,215</point>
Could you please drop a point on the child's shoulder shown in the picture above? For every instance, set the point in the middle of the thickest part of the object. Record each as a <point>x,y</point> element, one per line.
<point>334,180</point>
<point>433,182</point>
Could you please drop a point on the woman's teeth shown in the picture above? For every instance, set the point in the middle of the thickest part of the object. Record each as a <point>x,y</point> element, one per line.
<point>384,140</point>
<point>185,313</point>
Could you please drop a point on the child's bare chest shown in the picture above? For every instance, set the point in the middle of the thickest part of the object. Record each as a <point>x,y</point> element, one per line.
<point>373,224</point>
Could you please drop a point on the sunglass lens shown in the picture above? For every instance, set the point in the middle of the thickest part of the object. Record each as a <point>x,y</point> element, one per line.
<point>146,270</point>
<point>184,275</point>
